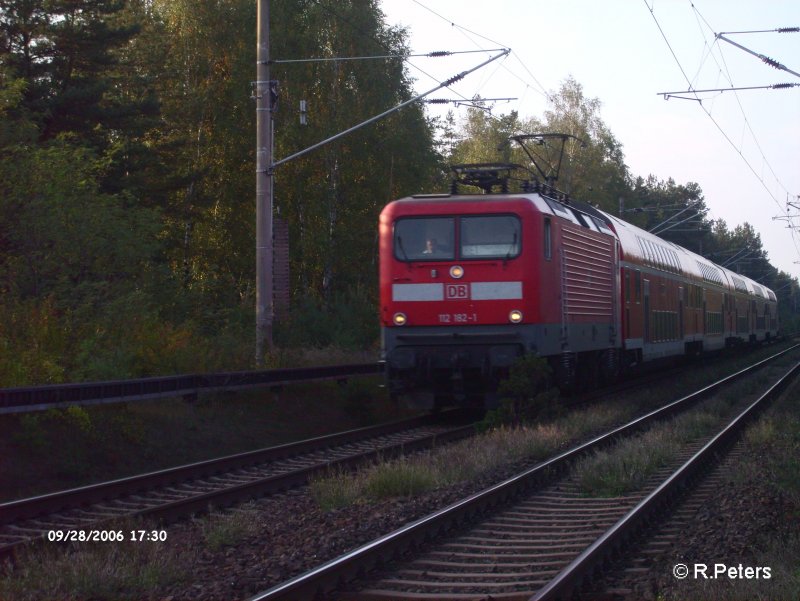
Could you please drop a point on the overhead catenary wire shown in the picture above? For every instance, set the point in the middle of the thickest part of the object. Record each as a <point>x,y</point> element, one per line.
<point>724,67</point>
<point>449,100</point>
<point>777,86</point>
<point>377,41</point>
<point>434,54</point>
<point>464,98</point>
<point>717,124</point>
<point>416,98</point>
<point>541,89</point>
<point>452,23</point>
<point>708,114</point>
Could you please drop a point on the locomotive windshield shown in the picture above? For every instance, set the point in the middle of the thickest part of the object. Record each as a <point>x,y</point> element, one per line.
<point>490,236</point>
<point>424,239</point>
<point>479,237</point>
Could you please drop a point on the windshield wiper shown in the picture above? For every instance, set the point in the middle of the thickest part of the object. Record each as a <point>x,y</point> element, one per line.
<point>511,248</point>
<point>403,250</point>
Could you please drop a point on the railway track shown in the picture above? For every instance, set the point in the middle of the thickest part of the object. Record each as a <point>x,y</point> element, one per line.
<point>527,536</point>
<point>662,498</point>
<point>178,492</point>
<point>632,573</point>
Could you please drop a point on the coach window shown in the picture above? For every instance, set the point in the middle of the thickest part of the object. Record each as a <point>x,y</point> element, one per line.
<point>424,239</point>
<point>628,285</point>
<point>491,236</point>
<point>548,240</point>
<point>638,286</point>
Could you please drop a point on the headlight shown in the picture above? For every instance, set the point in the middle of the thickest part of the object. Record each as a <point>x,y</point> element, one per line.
<point>515,316</point>
<point>456,271</point>
<point>399,319</point>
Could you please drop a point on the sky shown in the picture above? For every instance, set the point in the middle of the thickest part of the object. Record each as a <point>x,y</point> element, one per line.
<point>742,148</point>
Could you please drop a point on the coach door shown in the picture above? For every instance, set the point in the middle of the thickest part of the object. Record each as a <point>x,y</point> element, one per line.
<point>647,310</point>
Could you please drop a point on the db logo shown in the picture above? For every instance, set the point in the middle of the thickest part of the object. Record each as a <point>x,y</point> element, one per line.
<point>456,291</point>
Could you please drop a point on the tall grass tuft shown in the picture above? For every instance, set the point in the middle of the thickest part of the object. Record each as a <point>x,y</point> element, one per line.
<point>627,466</point>
<point>460,462</point>
<point>401,478</point>
<point>336,490</point>
<point>230,528</point>
<point>94,571</point>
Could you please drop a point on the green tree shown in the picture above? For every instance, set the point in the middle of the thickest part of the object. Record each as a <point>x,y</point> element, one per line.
<point>485,137</point>
<point>593,165</point>
<point>594,171</point>
<point>332,197</point>
<point>68,248</point>
<point>198,60</point>
<point>66,51</point>
<point>672,211</point>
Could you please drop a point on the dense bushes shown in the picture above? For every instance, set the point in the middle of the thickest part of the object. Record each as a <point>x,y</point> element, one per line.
<point>348,321</point>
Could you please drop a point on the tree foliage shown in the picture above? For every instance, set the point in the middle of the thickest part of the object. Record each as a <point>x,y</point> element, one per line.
<point>127,188</point>
<point>127,212</point>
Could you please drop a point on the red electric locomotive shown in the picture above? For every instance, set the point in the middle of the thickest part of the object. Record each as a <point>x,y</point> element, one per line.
<point>470,282</point>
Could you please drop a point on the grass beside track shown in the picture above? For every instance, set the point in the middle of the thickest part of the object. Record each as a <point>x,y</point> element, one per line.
<point>626,466</point>
<point>118,570</point>
<point>505,446</point>
<point>463,461</point>
<point>129,570</point>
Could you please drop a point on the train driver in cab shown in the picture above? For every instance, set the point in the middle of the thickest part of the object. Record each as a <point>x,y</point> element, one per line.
<point>430,247</point>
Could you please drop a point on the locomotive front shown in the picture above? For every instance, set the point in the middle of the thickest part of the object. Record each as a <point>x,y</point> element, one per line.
<point>456,286</point>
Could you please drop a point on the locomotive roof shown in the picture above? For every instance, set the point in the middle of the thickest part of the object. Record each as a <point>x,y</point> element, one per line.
<point>445,201</point>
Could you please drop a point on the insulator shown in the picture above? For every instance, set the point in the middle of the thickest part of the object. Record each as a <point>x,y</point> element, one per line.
<point>788,30</point>
<point>454,79</point>
<point>438,53</point>
<point>772,62</point>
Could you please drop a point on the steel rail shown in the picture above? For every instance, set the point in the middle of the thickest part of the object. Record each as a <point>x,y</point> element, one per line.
<point>84,496</point>
<point>237,494</point>
<point>57,396</point>
<point>571,577</point>
<point>32,507</point>
<point>317,582</point>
